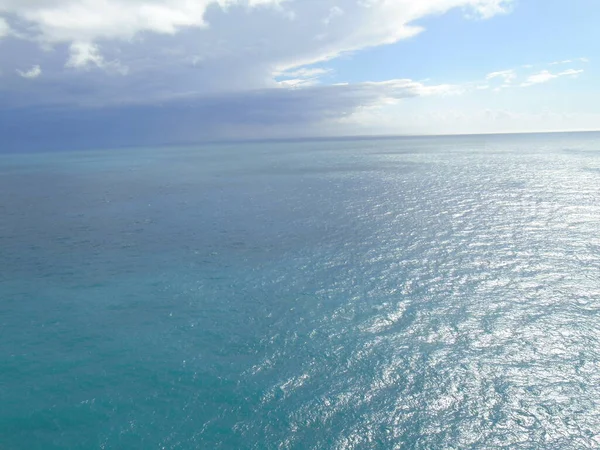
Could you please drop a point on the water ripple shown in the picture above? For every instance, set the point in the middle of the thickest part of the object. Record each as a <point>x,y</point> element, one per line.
<point>397,294</point>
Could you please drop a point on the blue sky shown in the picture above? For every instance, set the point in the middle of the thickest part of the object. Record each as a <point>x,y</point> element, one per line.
<point>129,72</point>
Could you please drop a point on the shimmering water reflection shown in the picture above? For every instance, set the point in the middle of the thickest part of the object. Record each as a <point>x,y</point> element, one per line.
<point>411,293</point>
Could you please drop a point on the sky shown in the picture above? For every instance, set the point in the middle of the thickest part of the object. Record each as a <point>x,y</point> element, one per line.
<point>94,73</point>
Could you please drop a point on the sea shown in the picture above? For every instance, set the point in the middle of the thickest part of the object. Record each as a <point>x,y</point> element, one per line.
<point>390,293</point>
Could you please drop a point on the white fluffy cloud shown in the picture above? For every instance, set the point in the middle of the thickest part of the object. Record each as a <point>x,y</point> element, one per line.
<point>487,8</point>
<point>87,20</point>
<point>4,28</point>
<point>179,47</point>
<point>32,73</point>
<point>329,27</point>
<point>569,61</point>
<point>544,76</point>
<point>511,78</point>
<point>541,77</point>
<point>84,55</point>
<point>506,75</point>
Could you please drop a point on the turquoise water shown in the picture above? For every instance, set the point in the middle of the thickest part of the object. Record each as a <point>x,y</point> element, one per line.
<point>374,294</point>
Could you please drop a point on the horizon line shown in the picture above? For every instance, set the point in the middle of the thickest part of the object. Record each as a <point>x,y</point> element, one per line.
<point>357,137</point>
<point>386,136</point>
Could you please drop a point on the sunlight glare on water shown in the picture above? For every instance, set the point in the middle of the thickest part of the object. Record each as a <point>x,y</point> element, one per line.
<point>399,293</point>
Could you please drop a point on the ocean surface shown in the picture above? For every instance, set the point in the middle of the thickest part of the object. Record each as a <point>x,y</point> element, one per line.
<point>413,293</point>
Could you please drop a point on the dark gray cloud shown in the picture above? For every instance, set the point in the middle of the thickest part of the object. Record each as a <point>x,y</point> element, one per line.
<point>251,114</point>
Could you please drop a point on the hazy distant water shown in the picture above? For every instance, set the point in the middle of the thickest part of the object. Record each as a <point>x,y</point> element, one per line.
<point>373,294</point>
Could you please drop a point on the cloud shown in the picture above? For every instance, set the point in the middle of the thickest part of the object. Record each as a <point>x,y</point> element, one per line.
<point>541,77</point>
<point>279,112</point>
<point>487,9</point>
<point>170,48</point>
<point>571,72</point>
<point>84,55</point>
<point>334,12</point>
<point>215,68</point>
<point>298,82</point>
<point>88,20</point>
<point>32,73</point>
<point>490,120</point>
<point>566,61</point>
<point>569,61</point>
<point>306,72</point>
<point>544,76</point>
<point>350,25</point>
<point>4,27</point>
<point>507,76</point>
<point>302,77</point>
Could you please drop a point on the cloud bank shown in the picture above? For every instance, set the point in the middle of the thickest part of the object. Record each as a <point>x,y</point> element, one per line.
<point>236,44</point>
<point>273,113</point>
<point>233,63</point>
